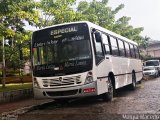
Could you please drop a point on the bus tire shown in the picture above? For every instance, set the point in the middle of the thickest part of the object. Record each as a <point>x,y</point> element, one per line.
<point>157,75</point>
<point>108,96</point>
<point>140,82</point>
<point>133,84</point>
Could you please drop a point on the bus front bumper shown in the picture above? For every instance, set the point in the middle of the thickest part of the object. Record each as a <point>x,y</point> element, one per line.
<point>66,92</point>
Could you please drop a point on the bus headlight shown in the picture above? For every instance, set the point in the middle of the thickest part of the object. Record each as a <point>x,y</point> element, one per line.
<point>35,83</point>
<point>89,78</point>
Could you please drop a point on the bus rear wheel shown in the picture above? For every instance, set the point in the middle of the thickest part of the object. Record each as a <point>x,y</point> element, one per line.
<point>133,84</point>
<point>108,96</point>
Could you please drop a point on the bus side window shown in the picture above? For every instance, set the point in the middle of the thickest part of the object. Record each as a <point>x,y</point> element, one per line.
<point>121,48</point>
<point>137,52</point>
<point>127,50</point>
<point>114,46</point>
<point>132,51</point>
<point>98,51</point>
<point>106,43</point>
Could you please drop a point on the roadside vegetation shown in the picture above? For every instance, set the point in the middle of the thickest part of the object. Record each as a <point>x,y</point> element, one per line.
<point>15,86</point>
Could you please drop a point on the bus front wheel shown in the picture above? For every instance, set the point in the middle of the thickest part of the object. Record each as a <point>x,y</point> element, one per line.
<point>108,96</point>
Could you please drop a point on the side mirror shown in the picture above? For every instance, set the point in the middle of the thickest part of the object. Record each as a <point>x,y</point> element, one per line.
<point>98,37</point>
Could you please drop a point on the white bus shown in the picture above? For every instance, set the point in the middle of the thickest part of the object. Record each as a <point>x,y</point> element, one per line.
<point>82,59</point>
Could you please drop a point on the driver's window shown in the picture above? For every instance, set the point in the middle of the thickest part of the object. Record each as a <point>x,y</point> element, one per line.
<point>98,51</point>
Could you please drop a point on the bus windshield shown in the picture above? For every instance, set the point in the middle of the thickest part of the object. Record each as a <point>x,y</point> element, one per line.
<point>63,54</point>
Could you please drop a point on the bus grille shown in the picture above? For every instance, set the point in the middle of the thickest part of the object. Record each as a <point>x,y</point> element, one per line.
<point>62,81</point>
<point>62,93</point>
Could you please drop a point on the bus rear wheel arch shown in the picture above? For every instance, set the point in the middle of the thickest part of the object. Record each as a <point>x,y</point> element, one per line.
<point>108,96</point>
<point>112,77</point>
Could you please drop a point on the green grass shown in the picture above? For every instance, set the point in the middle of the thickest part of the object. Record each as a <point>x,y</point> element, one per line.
<point>17,86</point>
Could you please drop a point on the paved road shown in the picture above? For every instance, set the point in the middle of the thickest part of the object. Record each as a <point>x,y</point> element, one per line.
<point>143,103</point>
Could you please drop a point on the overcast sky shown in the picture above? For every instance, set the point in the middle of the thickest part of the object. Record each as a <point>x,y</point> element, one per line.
<point>143,13</point>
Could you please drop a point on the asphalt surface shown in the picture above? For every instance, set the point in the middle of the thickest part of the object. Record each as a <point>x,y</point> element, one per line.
<point>141,104</point>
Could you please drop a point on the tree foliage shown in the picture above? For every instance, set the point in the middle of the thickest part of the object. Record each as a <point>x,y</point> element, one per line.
<point>13,15</point>
<point>123,28</point>
<point>57,11</point>
<point>100,13</point>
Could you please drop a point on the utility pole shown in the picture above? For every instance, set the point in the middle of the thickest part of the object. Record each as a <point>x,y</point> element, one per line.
<point>4,66</point>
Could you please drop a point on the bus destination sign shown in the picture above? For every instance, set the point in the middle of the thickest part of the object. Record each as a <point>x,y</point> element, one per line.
<point>59,32</point>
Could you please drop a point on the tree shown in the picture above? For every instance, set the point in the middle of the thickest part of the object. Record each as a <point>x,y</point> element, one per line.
<point>145,42</point>
<point>13,14</point>
<point>123,28</point>
<point>58,11</point>
<point>144,45</point>
<point>100,13</point>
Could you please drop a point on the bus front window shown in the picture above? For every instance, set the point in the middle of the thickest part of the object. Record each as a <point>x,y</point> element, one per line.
<point>62,52</point>
<point>72,56</point>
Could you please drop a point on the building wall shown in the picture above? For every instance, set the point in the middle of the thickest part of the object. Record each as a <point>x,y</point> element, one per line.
<point>153,50</point>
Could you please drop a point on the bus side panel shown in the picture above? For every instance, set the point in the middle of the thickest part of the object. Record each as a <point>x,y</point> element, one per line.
<point>102,86</point>
<point>121,70</point>
<point>101,75</point>
<point>136,65</point>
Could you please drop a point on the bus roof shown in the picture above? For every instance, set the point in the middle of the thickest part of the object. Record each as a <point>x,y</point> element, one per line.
<point>94,26</point>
